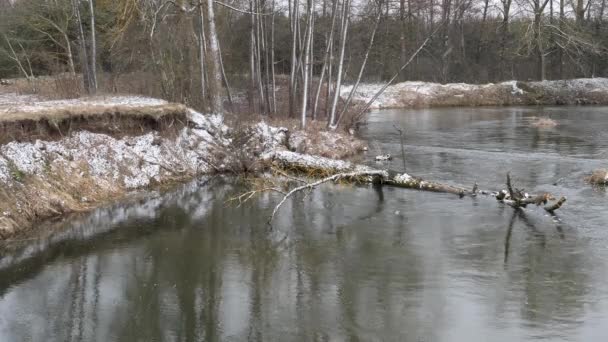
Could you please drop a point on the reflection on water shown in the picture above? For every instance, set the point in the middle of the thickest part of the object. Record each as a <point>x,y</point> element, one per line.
<point>343,263</point>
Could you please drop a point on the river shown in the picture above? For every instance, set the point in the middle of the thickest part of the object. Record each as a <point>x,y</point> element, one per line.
<point>343,263</point>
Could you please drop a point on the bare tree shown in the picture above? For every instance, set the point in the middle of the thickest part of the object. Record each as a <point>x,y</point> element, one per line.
<point>294,20</point>
<point>362,68</point>
<point>215,75</point>
<point>343,34</point>
<point>326,59</point>
<point>15,57</point>
<point>52,18</point>
<point>307,50</point>
<point>504,37</point>
<point>93,88</point>
<point>84,55</point>
<point>202,49</point>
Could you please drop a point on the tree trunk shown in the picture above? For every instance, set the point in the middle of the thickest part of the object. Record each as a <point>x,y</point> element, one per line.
<point>447,48</point>
<point>225,79</point>
<point>539,49</point>
<point>579,12</point>
<point>93,88</point>
<point>84,55</point>
<point>294,41</point>
<point>402,42</point>
<point>325,58</point>
<point>252,64</point>
<point>215,81</point>
<point>70,55</point>
<point>344,33</point>
<point>307,64</point>
<point>560,50</point>
<point>480,39</point>
<point>274,95</point>
<point>361,70</point>
<point>202,43</point>
<point>506,8</point>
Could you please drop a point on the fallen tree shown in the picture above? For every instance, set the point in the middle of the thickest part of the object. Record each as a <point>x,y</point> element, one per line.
<point>327,170</point>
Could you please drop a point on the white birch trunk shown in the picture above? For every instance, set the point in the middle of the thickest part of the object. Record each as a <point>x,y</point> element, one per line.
<point>215,81</point>
<point>325,60</point>
<point>307,63</point>
<point>361,70</point>
<point>344,32</point>
<point>93,50</point>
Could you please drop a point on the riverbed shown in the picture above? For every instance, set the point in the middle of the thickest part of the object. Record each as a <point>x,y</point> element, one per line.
<point>344,262</point>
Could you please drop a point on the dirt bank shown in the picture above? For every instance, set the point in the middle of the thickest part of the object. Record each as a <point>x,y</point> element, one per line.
<point>424,94</point>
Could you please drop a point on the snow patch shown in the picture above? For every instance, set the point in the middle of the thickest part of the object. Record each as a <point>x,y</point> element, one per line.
<point>4,171</point>
<point>132,162</point>
<point>270,137</point>
<point>413,93</point>
<point>403,178</point>
<point>310,161</point>
<point>30,104</point>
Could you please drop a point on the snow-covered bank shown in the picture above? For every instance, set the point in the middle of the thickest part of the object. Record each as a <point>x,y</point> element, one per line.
<point>46,175</point>
<point>45,178</point>
<point>425,94</point>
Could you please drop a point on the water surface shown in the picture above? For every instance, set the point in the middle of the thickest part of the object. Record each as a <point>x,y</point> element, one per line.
<point>344,263</point>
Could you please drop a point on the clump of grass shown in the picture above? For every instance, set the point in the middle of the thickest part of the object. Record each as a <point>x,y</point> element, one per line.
<point>598,177</point>
<point>16,174</point>
<point>329,144</point>
<point>544,123</point>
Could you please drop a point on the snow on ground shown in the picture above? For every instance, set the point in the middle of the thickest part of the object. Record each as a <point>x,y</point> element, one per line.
<point>31,103</point>
<point>412,94</point>
<point>45,178</point>
<point>131,162</point>
<point>309,161</point>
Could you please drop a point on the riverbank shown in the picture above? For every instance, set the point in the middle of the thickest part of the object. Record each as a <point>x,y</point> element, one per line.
<point>585,91</point>
<point>58,157</point>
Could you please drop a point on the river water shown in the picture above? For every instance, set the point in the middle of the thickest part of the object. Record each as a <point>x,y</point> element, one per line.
<point>343,263</point>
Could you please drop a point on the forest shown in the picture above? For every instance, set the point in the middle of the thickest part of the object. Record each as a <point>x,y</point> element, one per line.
<point>287,58</point>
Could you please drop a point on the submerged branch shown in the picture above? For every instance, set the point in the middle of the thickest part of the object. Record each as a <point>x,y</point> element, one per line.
<point>356,176</point>
<point>334,170</point>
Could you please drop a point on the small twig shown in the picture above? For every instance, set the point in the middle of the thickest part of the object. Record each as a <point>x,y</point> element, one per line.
<point>244,197</point>
<point>288,176</point>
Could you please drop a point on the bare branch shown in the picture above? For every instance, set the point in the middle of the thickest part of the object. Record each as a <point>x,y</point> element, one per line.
<point>336,177</point>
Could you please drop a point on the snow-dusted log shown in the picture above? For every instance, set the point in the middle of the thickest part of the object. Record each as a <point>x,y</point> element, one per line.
<point>333,170</point>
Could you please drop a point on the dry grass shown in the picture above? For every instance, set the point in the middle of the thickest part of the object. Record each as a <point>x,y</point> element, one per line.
<point>57,192</point>
<point>53,123</point>
<point>598,177</point>
<point>61,86</point>
<point>335,145</point>
<point>544,123</point>
<point>54,195</point>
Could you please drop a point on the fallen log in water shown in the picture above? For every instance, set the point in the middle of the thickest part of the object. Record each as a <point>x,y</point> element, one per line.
<point>330,170</point>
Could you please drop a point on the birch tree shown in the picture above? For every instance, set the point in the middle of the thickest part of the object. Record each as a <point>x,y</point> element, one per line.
<point>326,59</point>
<point>361,69</point>
<point>343,36</point>
<point>215,75</point>
<point>93,53</point>
<point>307,58</point>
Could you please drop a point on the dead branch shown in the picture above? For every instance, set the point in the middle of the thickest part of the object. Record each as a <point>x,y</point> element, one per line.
<point>556,205</point>
<point>349,175</point>
<point>244,197</point>
<point>340,170</point>
<point>288,176</point>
